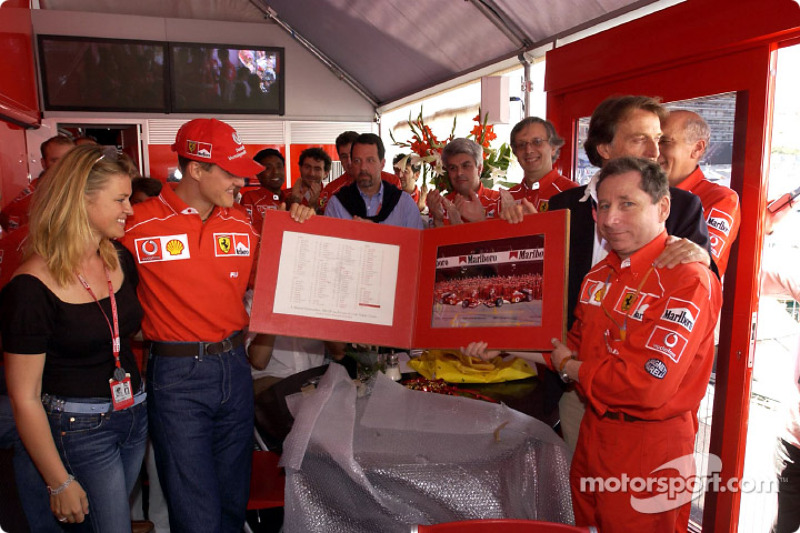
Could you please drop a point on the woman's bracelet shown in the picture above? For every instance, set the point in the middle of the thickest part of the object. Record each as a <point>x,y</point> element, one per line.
<point>61,488</point>
<point>564,363</point>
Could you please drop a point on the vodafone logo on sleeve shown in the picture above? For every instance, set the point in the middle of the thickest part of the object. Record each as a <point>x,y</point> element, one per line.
<point>667,342</point>
<point>162,248</point>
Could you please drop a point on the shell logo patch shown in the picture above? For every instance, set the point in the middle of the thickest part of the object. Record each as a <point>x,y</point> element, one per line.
<point>162,248</point>
<point>174,247</point>
<point>593,292</point>
<point>231,244</point>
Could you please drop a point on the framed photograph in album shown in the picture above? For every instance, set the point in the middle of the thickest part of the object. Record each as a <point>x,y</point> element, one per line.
<point>361,282</point>
<point>226,78</point>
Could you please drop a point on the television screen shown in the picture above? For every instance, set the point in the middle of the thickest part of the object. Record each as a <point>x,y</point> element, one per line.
<point>226,79</point>
<point>89,74</point>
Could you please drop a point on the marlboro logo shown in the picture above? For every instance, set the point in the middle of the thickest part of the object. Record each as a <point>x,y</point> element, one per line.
<point>682,313</point>
<point>720,221</point>
<point>199,149</point>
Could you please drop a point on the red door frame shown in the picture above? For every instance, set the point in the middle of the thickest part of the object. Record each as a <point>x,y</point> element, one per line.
<point>697,48</point>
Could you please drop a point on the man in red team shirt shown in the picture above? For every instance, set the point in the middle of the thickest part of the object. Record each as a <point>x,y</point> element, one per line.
<point>463,160</point>
<point>315,165</point>
<point>684,140</point>
<point>15,214</point>
<point>194,253</point>
<point>344,144</point>
<point>640,352</point>
<point>271,194</point>
<point>536,145</point>
<point>408,174</point>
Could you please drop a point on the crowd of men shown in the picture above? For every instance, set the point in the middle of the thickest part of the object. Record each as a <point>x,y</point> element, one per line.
<point>649,234</point>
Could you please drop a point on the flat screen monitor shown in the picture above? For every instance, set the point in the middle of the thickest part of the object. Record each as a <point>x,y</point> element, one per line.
<point>219,78</point>
<point>91,74</point>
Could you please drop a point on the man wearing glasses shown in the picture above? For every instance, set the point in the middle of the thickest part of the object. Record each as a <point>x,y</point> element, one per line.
<point>536,145</point>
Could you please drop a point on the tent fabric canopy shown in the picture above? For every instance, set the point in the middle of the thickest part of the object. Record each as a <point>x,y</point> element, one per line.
<point>394,48</point>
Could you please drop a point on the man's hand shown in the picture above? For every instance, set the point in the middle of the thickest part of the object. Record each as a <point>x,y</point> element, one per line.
<point>423,195</point>
<point>513,213</point>
<point>559,353</point>
<point>453,214</point>
<point>682,251</point>
<point>470,208</point>
<point>479,351</point>
<point>435,202</point>
<point>296,193</point>
<point>313,194</point>
<point>301,213</point>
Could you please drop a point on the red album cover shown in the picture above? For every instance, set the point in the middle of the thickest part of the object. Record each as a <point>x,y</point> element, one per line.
<point>356,281</point>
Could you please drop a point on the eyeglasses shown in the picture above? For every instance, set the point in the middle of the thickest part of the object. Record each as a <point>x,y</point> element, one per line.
<point>536,142</point>
<point>109,152</point>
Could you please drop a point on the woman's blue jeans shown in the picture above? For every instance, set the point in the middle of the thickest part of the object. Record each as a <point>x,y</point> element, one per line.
<point>104,452</point>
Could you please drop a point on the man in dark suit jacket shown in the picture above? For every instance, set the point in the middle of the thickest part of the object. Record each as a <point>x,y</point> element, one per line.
<point>620,126</point>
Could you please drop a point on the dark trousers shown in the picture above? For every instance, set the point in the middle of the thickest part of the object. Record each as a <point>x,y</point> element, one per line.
<point>788,462</point>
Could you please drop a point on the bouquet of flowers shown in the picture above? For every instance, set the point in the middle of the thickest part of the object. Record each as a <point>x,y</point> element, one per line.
<point>426,150</point>
<point>495,160</point>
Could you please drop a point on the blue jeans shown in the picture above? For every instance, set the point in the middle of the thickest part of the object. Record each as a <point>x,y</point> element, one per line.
<point>104,452</point>
<point>30,485</point>
<point>201,425</point>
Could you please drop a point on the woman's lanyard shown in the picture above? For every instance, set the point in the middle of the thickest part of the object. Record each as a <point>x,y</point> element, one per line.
<point>623,329</point>
<point>119,372</point>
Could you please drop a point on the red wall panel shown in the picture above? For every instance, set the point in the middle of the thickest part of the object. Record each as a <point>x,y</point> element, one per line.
<point>19,100</point>
<point>13,161</point>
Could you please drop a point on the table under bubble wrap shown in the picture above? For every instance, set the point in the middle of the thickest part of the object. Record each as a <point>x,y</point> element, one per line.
<point>396,457</point>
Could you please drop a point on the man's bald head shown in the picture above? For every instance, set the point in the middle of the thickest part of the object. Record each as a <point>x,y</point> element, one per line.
<point>684,140</point>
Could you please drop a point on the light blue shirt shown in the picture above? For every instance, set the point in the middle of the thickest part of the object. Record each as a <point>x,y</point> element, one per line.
<point>405,213</point>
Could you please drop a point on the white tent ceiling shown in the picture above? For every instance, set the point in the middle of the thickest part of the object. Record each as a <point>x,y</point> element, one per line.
<point>390,49</point>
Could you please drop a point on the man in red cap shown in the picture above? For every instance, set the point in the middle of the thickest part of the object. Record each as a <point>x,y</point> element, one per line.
<point>195,254</point>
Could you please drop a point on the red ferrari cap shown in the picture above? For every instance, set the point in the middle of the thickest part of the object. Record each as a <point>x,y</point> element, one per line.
<point>213,141</point>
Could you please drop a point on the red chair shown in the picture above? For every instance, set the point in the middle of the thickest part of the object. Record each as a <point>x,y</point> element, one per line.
<point>501,525</point>
<point>267,481</point>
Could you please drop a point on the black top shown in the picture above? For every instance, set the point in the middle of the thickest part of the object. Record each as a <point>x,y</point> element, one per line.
<point>74,337</point>
<point>685,220</point>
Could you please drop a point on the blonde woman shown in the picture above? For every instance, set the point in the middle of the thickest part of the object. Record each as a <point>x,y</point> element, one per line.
<point>75,391</point>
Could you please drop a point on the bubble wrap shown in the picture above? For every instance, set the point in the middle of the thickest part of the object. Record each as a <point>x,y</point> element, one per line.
<point>396,457</point>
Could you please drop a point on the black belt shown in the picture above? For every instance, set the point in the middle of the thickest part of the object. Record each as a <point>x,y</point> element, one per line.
<point>625,417</point>
<point>197,349</point>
